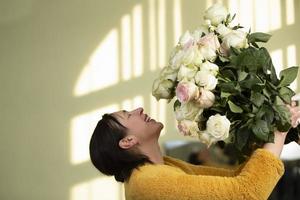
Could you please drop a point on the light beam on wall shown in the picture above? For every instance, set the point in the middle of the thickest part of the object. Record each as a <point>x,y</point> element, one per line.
<point>126,47</point>
<point>161,20</point>
<point>277,59</point>
<point>104,188</point>
<point>158,111</point>
<point>102,68</point>
<point>290,12</point>
<point>177,21</point>
<point>152,35</point>
<point>292,61</point>
<point>82,127</point>
<point>137,40</point>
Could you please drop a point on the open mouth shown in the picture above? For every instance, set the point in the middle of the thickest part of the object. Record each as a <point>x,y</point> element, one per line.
<point>147,118</point>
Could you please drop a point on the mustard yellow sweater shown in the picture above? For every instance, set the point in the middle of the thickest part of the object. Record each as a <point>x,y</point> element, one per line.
<point>178,180</point>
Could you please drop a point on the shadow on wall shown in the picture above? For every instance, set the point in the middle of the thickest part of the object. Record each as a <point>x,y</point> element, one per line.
<point>68,62</point>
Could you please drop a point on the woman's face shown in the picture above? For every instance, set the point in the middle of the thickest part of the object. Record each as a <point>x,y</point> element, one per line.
<point>139,124</point>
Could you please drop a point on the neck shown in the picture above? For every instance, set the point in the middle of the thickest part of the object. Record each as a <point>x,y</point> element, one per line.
<point>152,150</point>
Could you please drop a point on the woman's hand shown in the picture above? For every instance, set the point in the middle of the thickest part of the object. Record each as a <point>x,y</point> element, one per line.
<point>279,137</point>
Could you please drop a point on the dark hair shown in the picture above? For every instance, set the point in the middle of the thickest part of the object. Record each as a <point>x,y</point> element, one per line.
<point>106,154</point>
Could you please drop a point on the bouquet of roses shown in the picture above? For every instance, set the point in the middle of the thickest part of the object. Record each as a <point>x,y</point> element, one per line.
<point>225,84</point>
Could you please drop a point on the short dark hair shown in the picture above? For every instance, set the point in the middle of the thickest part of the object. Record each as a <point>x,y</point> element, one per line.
<point>106,154</point>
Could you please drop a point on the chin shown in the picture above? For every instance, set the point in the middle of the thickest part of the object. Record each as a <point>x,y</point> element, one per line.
<point>161,125</point>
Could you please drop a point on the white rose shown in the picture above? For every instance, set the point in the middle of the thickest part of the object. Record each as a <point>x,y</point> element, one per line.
<point>192,56</point>
<point>210,40</point>
<point>210,67</point>
<point>208,45</point>
<point>208,53</point>
<point>168,73</point>
<point>216,14</point>
<point>237,39</point>
<point>185,38</point>
<point>197,34</point>
<point>186,91</point>
<point>206,80</point>
<point>187,72</point>
<point>205,138</point>
<point>176,58</point>
<point>162,89</point>
<point>217,127</point>
<point>206,98</point>
<point>223,30</point>
<point>224,50</point>
<point>188,128</point>
<point>188,111</point>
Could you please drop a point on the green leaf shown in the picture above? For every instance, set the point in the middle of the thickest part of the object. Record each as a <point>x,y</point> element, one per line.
<point>228,74</point>
<point>261,130</point>
<point>287,76</point>
<point>176,104</point>
<point>257,98</point>
<point>234,51</point>
<point>234,108</point>
<point>242,75</point>
<point>259,37</point>
<point>278,101</point>
<point>267,93</point>
<point>286,94</point>
<point>242,137</point>
<point>282,115</point>
<point>269,114</point>
<point>250,81</point>
<point>228,87</point>
<point>252,59</point>
<point>225,94</point>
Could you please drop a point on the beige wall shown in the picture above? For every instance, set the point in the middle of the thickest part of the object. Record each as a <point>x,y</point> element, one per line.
<point>56,55</point>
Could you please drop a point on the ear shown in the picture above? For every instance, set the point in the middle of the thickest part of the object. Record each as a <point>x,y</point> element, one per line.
<point>128,142</point>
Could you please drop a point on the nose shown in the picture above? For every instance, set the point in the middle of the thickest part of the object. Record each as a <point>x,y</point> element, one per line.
<point>138,110</point>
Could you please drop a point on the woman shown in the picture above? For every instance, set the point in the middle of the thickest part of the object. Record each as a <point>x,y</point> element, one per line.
<point>125,145</point>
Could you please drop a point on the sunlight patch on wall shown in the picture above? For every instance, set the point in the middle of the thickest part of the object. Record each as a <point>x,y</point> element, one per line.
<point>277,56</point>
<point>104,188</point>
<point>158,111</point>
<point>126,46</point>
<point>262,15</point>
<point>82,127</point>
<point>137,40</point>
<point>102,69</point>
<point>259,15</point>
<point>290,12</point>
<point>275,15</point>
<point>246,14</point>
<point>177,21</point>
<point>134,103</point>
<point>233,8</point>
<point>292,61</point>
<point>161,20</point>
<point>152,35</point>
<point>132,55</point>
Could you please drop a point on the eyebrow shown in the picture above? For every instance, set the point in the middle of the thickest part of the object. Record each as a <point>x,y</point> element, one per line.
<point>125,113</point>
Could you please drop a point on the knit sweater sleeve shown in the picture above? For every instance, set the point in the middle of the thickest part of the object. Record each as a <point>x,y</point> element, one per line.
<point>256,181</point>
<point>203,170</point>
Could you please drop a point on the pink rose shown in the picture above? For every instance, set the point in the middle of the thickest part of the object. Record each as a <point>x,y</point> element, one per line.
<point>188,128</point>
<point>224,50</point>
<point>210,40</point>
<point>206,98</point>
<point>183,129</point>
<point>186,91</point>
